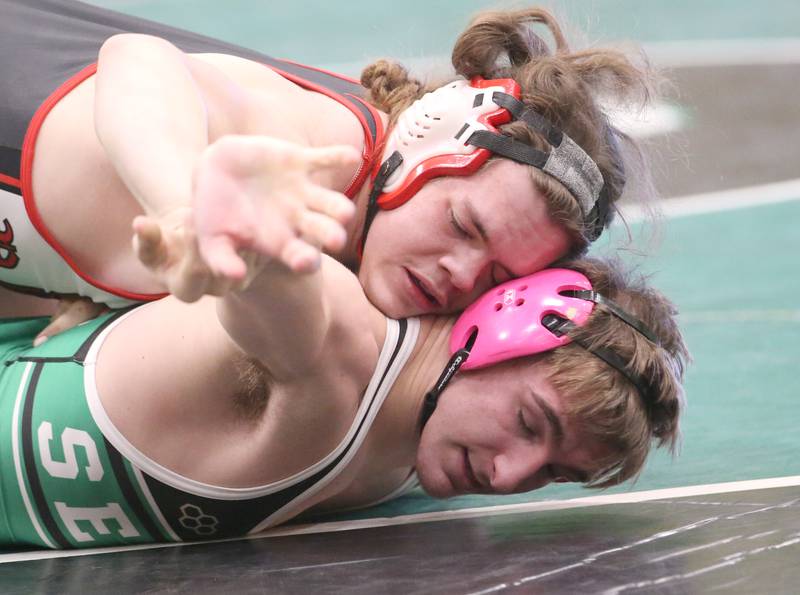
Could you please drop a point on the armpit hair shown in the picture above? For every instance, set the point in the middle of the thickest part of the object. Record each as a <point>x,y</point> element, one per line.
<point>252,388</point>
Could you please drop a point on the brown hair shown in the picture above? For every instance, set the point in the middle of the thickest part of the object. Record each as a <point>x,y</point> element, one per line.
<point>562,85</point>
<point>600,400</point>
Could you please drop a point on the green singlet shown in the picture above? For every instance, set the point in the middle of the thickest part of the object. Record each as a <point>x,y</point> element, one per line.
<point>69,478</point>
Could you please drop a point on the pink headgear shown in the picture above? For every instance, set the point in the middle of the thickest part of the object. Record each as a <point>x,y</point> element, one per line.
<point>509,317</point>
<point>530,315</point>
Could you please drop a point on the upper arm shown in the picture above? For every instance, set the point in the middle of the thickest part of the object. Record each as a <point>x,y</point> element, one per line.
<point>146,69</point>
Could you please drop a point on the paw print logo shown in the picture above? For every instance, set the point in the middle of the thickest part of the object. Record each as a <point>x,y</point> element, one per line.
<point>194,519</point>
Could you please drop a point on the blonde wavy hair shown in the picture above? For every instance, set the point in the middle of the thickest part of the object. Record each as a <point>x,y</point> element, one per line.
<point>600,401</point>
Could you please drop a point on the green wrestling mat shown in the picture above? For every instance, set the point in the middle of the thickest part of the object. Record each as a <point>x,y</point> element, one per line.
<point>333,34</point>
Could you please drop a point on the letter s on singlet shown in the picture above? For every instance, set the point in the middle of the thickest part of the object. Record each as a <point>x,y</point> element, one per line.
<point>70,438</point>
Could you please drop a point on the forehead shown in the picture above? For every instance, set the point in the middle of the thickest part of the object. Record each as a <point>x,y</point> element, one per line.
<point>515,217</point>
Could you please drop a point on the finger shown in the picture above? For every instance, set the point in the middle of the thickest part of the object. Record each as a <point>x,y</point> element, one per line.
<point>191,278</point>
<point>188,288</point>
<point>64,304</point>
<point>272,236</point>
<point>69,314</point>
<point>329,157</point>
<point>148,242</point>
<point>219,253</point>
<point>322,231</point>
<point>300,256</point>
<point>328,202</point>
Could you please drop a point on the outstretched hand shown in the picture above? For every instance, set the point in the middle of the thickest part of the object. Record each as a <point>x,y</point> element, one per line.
<point>254,200</point>
<point>256,194</point>
<point>168,247</point>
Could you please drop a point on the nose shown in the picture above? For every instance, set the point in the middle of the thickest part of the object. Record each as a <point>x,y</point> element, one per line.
<point>465,266</point>
<point>517,471</point>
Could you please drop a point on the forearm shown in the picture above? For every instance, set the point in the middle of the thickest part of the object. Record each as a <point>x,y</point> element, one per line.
<point>151,119</point>
<point>281,319</point>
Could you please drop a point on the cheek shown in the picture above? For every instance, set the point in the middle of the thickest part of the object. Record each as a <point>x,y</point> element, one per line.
<point>465,414</point>
<point>387,238</point>
<point>428,464</point>
<point>414,223</point>
<point>402,236</point>
<point>380,251</point>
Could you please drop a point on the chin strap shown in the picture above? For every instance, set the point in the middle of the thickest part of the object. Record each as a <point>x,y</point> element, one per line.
<point>456,361</point>
<point>387,168</point>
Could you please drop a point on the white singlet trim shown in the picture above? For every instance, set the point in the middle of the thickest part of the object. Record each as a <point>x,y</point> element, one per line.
<point>382,381</point>
<point>175,480</point>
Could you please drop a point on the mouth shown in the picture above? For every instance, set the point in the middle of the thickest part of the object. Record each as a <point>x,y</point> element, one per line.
<point>424,293</point>
<point>472,482</point>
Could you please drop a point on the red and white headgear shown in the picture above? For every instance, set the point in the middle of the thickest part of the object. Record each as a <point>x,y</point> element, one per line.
<point>454,130</point>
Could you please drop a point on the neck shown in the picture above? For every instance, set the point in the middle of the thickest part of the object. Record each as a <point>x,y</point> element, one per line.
<point>398,424</point>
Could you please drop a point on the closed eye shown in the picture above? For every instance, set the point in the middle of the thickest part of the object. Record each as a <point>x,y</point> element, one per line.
<point>526,429</point>
<point>456,225</point>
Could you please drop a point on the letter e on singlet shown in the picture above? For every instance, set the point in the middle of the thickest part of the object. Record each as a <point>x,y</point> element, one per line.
<point>96,516</point>
<point>70,438</point>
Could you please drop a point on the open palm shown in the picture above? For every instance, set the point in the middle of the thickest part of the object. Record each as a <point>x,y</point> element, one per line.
<point>254,200</point>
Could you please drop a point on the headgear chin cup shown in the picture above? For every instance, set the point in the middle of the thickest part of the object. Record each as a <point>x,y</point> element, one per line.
<point>431,135</point>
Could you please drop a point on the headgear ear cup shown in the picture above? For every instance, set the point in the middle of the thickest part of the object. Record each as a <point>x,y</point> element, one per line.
<point>452,131</point>
<point>431,135</point>
<point>509,317</point>
<point>526,316</point>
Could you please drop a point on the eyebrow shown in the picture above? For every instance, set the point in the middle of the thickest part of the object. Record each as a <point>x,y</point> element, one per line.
<point>576,475</point>
<point>551,417</point>
<point>478,223</point>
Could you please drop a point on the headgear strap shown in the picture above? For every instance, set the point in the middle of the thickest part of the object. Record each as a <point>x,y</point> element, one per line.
<point>387,169</point>
<point>566,161</point>
<point>559,326</point>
